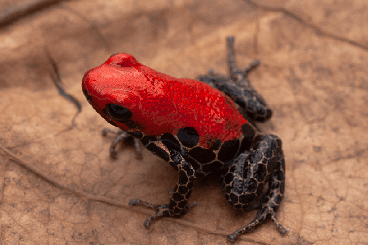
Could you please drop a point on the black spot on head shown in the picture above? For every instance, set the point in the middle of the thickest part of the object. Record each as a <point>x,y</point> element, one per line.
<point>188,136</point>
<point>158,151</point>
<point>202,155</point>
<point>228,150</point>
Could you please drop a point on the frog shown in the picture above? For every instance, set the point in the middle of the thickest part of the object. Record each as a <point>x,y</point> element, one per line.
<point>199,127</point>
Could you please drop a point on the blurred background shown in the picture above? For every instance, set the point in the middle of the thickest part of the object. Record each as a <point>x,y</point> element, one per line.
<point>313,74</point>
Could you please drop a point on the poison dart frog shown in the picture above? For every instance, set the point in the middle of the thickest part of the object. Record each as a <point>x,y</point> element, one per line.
<point>198,127</point>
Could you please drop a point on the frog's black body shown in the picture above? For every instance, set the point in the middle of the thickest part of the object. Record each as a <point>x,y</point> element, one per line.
<point>250,163</point>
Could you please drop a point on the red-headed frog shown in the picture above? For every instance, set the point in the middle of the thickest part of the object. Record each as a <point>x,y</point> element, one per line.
<point>198,127</point>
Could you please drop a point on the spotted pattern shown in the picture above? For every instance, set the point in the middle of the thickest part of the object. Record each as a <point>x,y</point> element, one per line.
<point>188,136</point>
<point>244,182</point>
<point>249,163</point>
<point>204,161</point>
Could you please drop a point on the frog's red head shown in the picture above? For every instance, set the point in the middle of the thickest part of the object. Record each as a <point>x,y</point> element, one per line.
<point>121,91</point>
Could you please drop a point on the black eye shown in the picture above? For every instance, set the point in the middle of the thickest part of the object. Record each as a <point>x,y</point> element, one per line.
<point>118,112</point>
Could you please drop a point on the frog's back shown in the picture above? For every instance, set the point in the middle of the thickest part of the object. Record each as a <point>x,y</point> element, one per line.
<point>212,114</point>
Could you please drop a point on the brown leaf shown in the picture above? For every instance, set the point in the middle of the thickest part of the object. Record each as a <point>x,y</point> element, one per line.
<point>59,185</point>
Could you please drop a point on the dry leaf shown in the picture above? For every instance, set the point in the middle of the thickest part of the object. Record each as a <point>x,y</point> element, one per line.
<point>59,185</point>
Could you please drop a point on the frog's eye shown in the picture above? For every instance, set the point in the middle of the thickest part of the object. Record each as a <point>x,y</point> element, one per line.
<point>118,113</point>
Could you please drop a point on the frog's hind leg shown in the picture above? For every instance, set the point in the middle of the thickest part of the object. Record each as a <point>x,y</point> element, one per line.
<point>238,88</point>
<point>249,174</point>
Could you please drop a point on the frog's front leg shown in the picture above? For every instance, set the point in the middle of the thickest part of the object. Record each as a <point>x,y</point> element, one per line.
<point>121,136</point>
<point>249,174</point>
<point>179,201</point>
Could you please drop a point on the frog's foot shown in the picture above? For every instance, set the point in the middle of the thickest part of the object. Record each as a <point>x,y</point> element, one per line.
<point>121,136</point>
<point>161,210</point>
<point>262,215</point>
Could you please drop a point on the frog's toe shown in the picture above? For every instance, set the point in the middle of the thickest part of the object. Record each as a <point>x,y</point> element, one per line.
<point>265,213</point>
<point>277,223</point>
<point>246,229</point>
<point>161,210</point>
